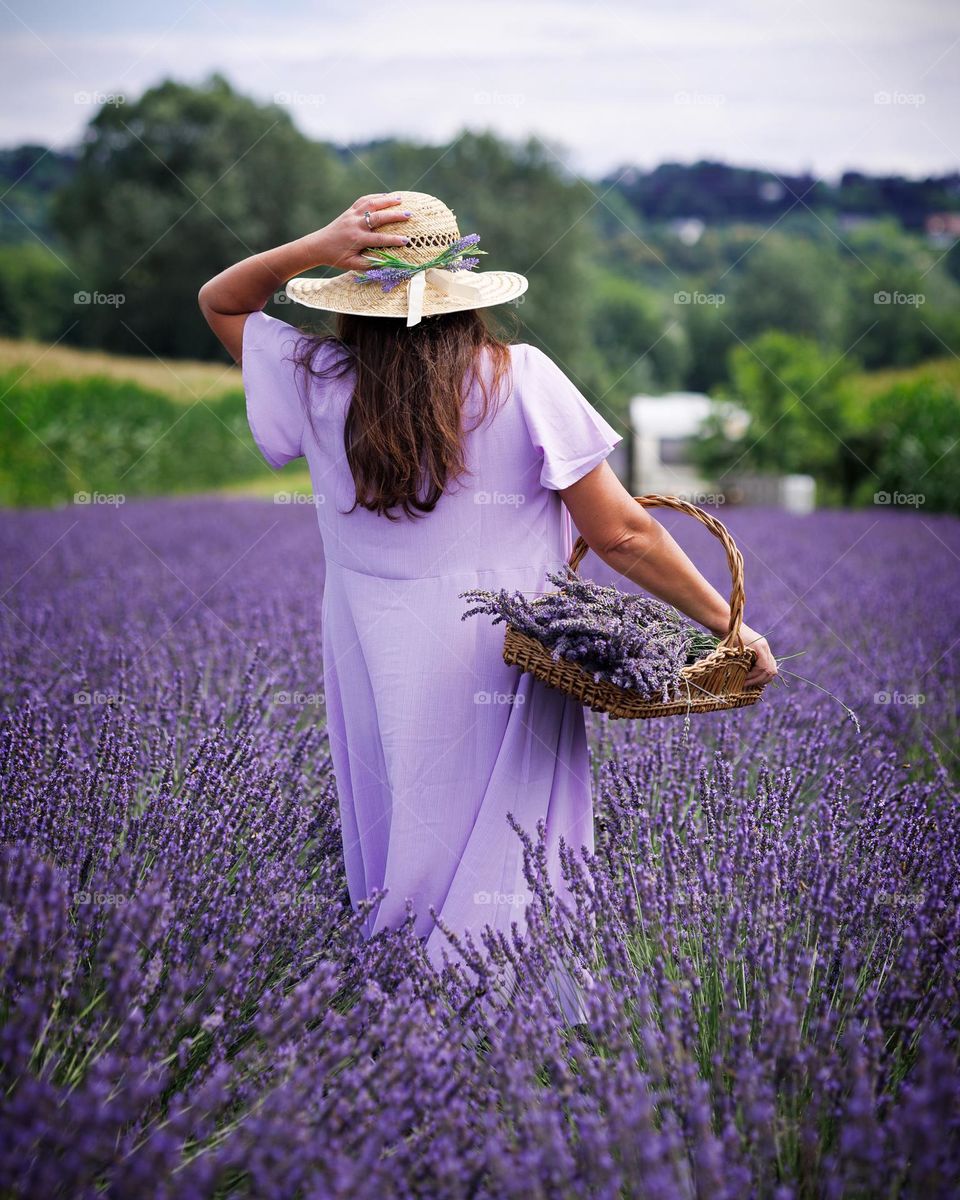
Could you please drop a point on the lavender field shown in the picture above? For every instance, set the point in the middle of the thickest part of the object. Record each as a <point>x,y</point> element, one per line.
<point>770,921</point>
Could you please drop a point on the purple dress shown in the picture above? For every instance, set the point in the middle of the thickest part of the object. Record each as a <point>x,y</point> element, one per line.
<point>434,738</point>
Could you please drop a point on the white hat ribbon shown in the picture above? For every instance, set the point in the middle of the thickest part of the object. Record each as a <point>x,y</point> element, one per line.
<point>459,284</point>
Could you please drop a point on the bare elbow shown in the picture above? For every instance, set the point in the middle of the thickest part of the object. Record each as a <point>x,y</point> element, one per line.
<point>631,540</point>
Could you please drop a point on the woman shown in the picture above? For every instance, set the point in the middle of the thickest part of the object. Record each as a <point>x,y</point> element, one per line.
<point>442,460</point>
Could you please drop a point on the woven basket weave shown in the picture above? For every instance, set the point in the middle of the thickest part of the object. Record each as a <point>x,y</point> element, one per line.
<point>712,683</point>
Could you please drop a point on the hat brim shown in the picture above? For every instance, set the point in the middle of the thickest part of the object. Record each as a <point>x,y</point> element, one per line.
<point>344,294</point>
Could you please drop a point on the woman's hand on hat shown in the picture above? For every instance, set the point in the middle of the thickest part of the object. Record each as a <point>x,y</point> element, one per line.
<point>341,243</point>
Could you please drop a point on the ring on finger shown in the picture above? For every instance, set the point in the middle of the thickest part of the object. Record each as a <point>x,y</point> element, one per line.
<point>366,217</point>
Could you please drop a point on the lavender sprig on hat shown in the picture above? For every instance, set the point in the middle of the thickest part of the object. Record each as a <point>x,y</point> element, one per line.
<point>391,270</point>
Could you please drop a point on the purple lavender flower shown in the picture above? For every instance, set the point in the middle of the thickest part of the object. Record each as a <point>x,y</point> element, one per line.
<point>463,243</point>
<point>631,640</point>
<point>766,934</point>
<point>390,270</point>
<point>390,277</point>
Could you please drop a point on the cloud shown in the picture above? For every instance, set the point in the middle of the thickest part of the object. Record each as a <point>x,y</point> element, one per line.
<point>788,87</point>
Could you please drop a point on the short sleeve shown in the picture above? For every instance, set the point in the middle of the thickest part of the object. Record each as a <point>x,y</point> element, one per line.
<point>563,425</point>
<point>275,411</point>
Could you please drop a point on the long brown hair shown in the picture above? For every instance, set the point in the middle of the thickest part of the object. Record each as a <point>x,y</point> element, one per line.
<point>404,424</point>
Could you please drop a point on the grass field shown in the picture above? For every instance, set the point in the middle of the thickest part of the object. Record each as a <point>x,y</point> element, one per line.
<point>183,380</point>
<point>77,420</point>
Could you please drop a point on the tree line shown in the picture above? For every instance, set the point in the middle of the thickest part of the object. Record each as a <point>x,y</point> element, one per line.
<point>108,245</point>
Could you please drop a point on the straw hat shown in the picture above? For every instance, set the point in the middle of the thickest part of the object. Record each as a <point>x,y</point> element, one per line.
<point>431,229</point>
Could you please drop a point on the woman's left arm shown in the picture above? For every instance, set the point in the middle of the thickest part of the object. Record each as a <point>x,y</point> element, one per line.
<point>227,299</point>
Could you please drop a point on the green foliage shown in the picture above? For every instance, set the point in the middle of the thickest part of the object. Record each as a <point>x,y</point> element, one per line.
<point>720,192</point>
<point>789,284</point>
<point>36,293</point>
<point>809,413</point>
<point>710,338</point>
<point>951,261</point>
<point>901,315</point>
<point>98,435</point>
<point>172,189</point>
<point>797,403</point>
<point>29,177</point>
<point>642,348</point>
<point>915,433</point>
<point>168,190</point>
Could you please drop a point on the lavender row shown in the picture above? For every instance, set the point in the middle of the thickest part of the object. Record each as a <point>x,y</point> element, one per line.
<point>767,933</point>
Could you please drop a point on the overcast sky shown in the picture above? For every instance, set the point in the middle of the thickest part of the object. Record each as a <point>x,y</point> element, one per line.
<point>820,85</point>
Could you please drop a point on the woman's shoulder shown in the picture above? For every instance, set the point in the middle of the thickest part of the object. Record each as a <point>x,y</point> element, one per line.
<point>530,355</point>
<point>523,356</point>
<point>532,363</point>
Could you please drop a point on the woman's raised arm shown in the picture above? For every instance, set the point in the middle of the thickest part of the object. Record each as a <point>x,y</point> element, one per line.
<point>227,299</point>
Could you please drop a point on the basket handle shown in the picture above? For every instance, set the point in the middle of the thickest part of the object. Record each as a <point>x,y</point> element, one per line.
<point>733,637</point>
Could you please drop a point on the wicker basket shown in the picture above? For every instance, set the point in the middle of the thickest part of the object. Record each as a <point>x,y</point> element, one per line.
<point>712,683</point>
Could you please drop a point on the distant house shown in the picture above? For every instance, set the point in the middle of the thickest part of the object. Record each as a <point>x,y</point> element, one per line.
<point>664,430</point>
<point>943,228</point>
<point>688,230</point>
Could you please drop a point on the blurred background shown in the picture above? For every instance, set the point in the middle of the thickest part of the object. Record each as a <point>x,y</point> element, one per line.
<point>740,226</point>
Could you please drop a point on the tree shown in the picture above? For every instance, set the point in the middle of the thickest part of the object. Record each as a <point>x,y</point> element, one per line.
<point>792,285</point>
<point>901,315</point>
<point>642,349</point>
<point>36,289</point>
<point>710,339</point>
<point>915,430</point>
<point>172,189</point>
<point>798,405</point>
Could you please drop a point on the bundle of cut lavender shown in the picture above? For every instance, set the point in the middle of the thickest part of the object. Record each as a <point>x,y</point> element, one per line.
<point>630,640</point>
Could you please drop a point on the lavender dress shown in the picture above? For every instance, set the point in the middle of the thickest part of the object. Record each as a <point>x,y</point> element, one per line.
<point>434,738</point>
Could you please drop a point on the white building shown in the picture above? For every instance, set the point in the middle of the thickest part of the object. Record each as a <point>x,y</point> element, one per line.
<point>665,429</point>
